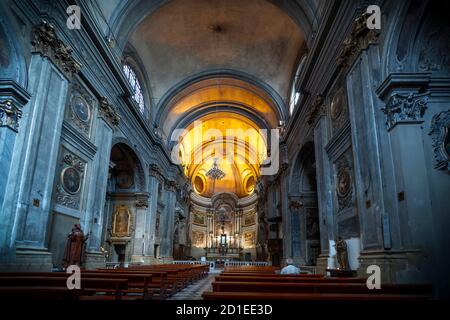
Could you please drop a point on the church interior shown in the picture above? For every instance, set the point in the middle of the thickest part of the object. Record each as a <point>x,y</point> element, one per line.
<point>194,149</point>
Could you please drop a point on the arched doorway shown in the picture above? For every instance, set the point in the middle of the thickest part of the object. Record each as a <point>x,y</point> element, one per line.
<point>126,186</point>
<point>303,206</point>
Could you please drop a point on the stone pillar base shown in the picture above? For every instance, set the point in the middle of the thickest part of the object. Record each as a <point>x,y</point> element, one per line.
<point>150,260</point>
<point>322,264</point>
<point>405,266</point>
<point>29,261</point>
<point>95,260</point>
<point>165,260</point>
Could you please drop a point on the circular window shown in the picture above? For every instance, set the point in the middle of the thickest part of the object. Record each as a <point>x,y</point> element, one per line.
<point>250,184</point>
<point>199,184</point>
<point>71,180</point>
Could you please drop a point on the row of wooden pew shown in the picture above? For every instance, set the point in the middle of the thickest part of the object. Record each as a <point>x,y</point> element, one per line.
<point>262,283</point>
<point>132,283</point>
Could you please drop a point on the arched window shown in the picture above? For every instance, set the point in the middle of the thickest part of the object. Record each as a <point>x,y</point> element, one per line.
<point>295,95</point>
<point>136,86</point>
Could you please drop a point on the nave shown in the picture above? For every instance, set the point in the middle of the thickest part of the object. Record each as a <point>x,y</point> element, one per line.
<point>195,149</point>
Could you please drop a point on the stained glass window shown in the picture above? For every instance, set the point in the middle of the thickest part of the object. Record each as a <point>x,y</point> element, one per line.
<point>136,86</point>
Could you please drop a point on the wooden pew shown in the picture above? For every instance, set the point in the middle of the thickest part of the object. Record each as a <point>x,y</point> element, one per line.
<point>90,286</point>
<point>241,274</point>
<point>270,296</point>
<point>161,285</point>
<point>137,283</point>
<point>286,279</point>
<point>327,287</point>
<point>39,293</point>
<point>142,282</point>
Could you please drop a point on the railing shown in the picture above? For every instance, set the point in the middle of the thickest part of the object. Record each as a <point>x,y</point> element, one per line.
<point>220,250</point>
<point>212,264</point>
<point>247,263</point>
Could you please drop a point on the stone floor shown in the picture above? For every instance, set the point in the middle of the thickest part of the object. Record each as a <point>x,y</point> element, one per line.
<point>194,291</point>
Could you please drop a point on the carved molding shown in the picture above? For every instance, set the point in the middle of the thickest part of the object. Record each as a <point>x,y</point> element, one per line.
<point>46,42</point>
<point>344,187</point>
<point>440,132</point>
<point>405,109</point>
<point>108,112</point>
<point>10,115</point>
<point>317,108</point>
<point>81,107</point>
<point>69,187</point>
<point>359,39</point>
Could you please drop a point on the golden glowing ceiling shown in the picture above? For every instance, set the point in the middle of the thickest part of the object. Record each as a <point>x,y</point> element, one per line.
<point>235,142</point>
<point>224,121</point>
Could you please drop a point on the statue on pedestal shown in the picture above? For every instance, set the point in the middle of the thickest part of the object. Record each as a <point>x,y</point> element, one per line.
<point>73,252</point>
<point>342,254</point>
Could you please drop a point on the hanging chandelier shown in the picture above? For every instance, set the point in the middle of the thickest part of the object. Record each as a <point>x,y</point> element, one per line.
<point>215,173</point>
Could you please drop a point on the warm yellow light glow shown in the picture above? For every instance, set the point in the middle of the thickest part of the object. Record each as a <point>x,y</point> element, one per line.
<point>238,145</point>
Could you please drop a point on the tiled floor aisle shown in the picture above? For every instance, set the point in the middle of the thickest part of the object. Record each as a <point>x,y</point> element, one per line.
<point>194,291</point>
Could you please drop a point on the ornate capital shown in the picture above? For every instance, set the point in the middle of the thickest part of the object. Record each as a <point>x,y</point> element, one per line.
<point>108,112</point>
<point>316,109</point>
<point>295,205</point>
<point>46,42</point>
<point>405,109</point>
<point>9,115</point>
<point>440,135</point>
<point>360,38</point>
<point>171,185</point>
<point>141,203</point>
<point>154,170</point>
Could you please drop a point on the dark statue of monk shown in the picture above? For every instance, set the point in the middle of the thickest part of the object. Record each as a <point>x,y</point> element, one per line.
<point>342,254</point>
<point>73,252</point>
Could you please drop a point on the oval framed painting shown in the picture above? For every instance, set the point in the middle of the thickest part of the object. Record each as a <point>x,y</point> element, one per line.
<point>81,109</point>
<point>71,180</point>
<point>344,181</point>
<point>337,104</point>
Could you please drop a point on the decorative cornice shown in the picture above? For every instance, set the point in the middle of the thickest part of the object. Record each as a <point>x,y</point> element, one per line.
<point>316,109</point>
<point>108,112</point>
<point>439,131</point>
<point>9,89</point>
<point>359,39</point>
<point>46,42</point>
<point>405,109</point>
<point>9,115</point>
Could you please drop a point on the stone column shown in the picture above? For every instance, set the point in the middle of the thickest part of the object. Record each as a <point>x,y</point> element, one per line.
<point>324,192</point>
<point>12,100</point>
<point>94,219</point>
<point>410,102</point>
<point>28,198</point>
<point>139,247</point>
<point>168,221</point>
<point>154,183</point>
<point>296,217</point>
<point>287,218</point>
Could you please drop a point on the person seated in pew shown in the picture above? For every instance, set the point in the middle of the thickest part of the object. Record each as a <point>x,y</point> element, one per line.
<point>290,268</point>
